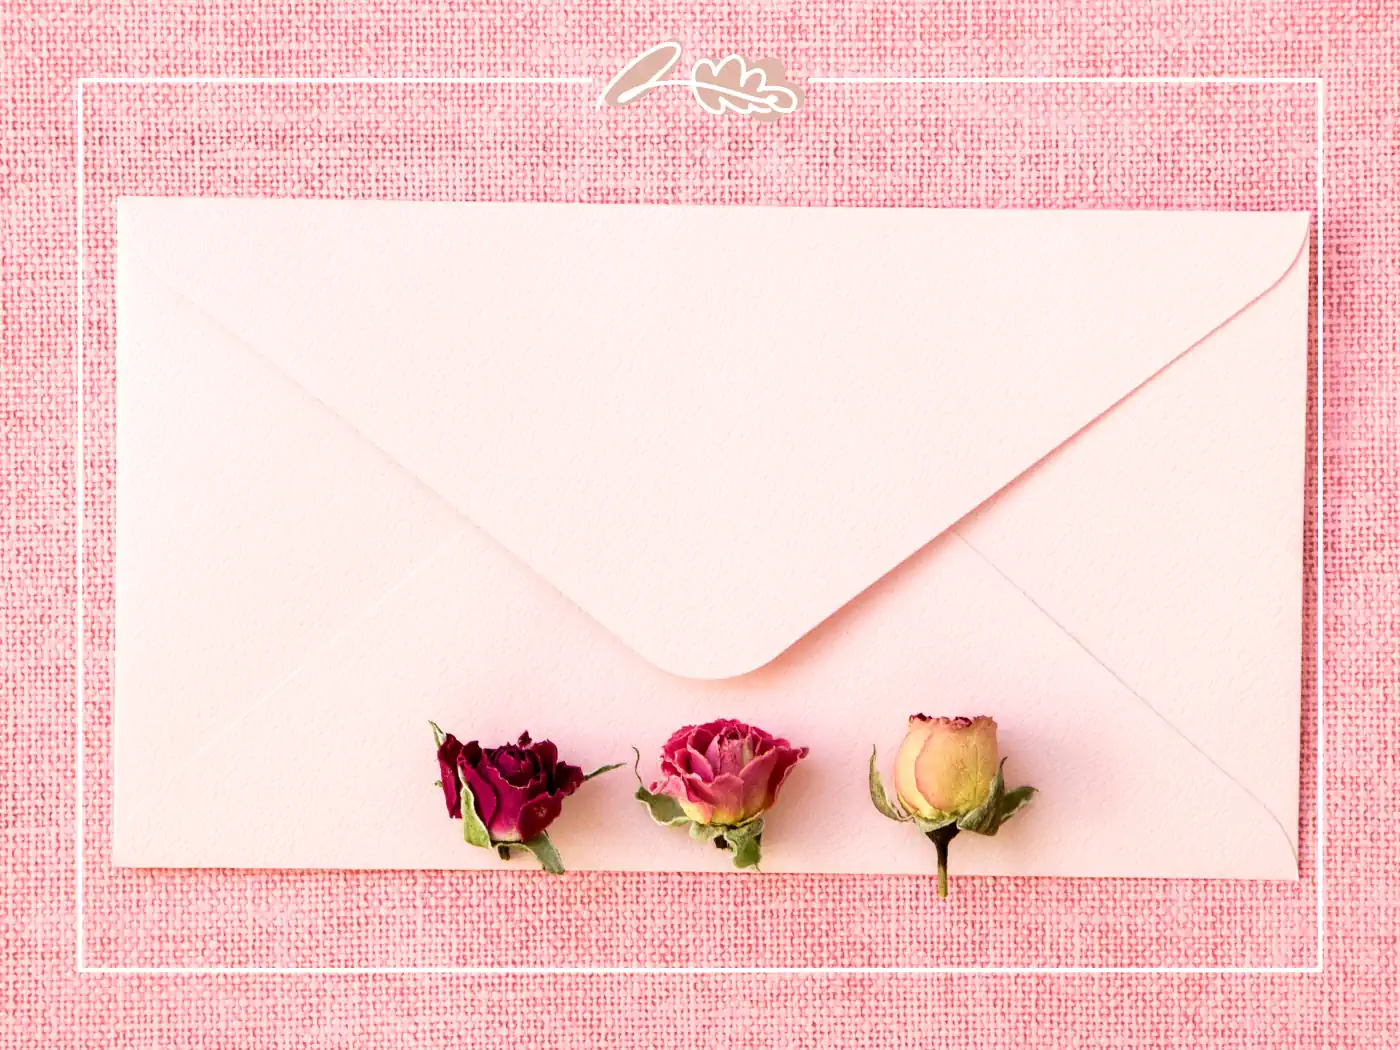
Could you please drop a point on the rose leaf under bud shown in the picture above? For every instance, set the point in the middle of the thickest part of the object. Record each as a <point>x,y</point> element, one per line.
<point>880,797</point>
<point>705,832</point>
<point>1012,801</point>
<point>744,843</point>
<point>984,819</point>
<point>545,853</point>
<point>473,830</point>
<point>664,809</point>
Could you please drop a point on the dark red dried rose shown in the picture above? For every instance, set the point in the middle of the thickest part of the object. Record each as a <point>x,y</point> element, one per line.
<point>518,788</point>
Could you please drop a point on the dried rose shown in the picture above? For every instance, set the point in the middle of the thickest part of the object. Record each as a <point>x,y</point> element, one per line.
<point>947,779</point>
<point>720,778</point>
<point>512,793</point>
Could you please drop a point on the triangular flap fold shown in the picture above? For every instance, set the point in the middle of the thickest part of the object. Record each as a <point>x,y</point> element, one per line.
<point>712,427</point>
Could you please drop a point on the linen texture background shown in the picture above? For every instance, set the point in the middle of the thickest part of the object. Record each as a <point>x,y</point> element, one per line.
<point>1005,145</point>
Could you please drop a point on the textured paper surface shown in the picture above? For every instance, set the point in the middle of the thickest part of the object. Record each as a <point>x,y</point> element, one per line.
<point>1036,145</point>
<point>556,506</point>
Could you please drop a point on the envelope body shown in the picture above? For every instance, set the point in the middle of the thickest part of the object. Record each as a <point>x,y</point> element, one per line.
<point>601,471</point>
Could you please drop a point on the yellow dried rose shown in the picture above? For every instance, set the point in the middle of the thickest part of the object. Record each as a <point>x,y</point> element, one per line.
<point>947,779</point>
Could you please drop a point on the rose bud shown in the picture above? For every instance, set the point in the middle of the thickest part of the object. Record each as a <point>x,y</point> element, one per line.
<point>720,778</point>
<point>945,765</point>
<point>507,796</point>
<point>947,779</point>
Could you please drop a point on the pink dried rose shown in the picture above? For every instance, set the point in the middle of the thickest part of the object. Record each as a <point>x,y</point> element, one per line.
<point>947,779</point>
<point>720,778</point>
<point>507,796</point>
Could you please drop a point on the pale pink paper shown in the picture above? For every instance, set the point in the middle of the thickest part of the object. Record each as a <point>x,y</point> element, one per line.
<point>399,428</point>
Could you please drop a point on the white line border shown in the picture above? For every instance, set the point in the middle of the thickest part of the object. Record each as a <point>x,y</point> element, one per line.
<point>1319,721</point>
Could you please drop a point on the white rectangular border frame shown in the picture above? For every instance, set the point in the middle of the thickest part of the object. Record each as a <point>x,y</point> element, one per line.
<point>82,83</point>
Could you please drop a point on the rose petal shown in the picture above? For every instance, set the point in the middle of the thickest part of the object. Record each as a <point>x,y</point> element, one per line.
<point>485,792</point>
<point>790,756</point>
<point>765,775</point>
<point>757,778</point>
<point>726,753</point>
<point>536,815</point>
<point>954,768</point>
<point>678,741</point>
<point>546,754</point>
<point>448,752</point>
<point>905,784</point>
<point>518,766</point>
<point>764,741</point>
<point>694,789</point>
<point>938,772</point>
<point>726,795</point>
<point>689,763</point>
<point>540,784</point>
<point>673,786</point>
<point>700,737</point>
<point>694,806</point>
<point>504,824</point>
<point>566,779</point>
<point>760,742</point>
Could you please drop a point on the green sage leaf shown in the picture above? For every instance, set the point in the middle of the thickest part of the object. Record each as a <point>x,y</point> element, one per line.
<point>545,853</point>
<point>880,797</point>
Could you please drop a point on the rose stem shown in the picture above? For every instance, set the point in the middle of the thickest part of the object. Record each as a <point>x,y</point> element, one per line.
<point>940,839</point>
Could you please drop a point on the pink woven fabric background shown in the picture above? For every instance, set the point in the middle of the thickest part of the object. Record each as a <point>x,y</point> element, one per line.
<point>1245,146</point>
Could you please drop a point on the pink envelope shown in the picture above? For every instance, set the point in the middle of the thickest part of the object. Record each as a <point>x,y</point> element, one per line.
<point>601,471</point>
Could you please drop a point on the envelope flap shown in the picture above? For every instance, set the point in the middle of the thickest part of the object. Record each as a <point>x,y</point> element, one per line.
<point>712,427</point>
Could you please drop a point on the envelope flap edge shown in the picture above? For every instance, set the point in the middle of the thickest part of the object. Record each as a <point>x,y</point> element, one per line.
<point>720,615</point>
